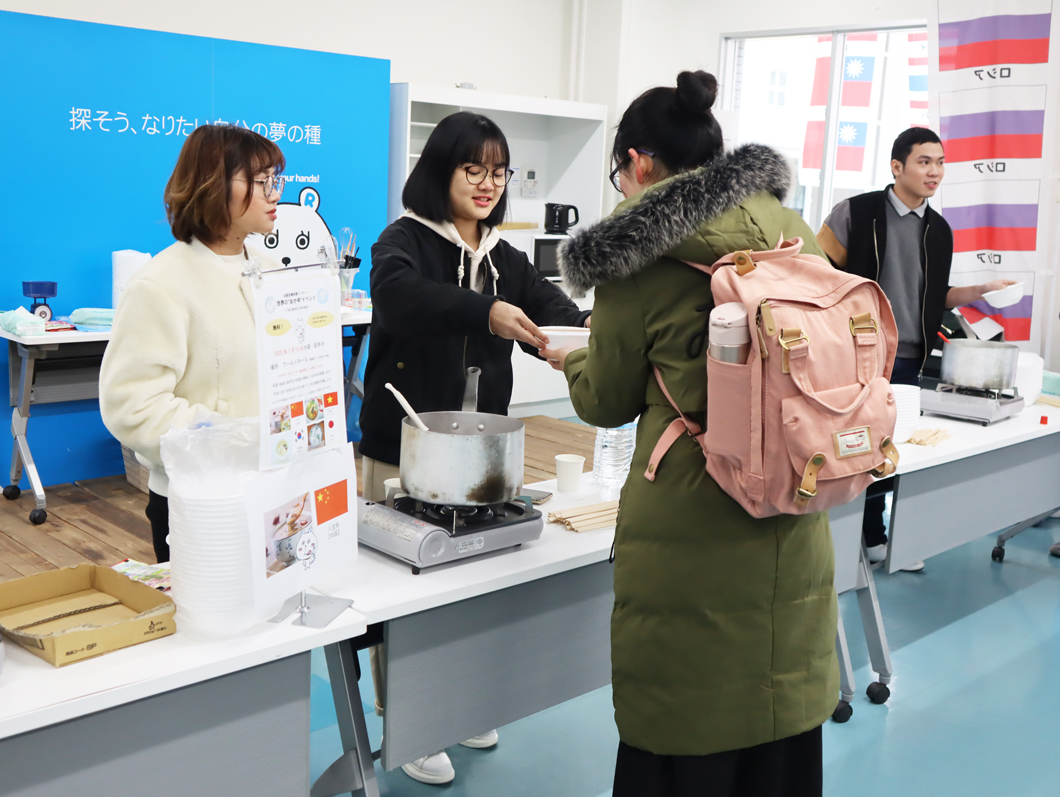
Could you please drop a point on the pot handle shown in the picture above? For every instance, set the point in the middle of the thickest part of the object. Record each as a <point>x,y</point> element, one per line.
<point>471,390</point>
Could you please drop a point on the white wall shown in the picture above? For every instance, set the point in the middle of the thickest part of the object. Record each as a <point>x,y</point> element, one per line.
<point>508,46</point>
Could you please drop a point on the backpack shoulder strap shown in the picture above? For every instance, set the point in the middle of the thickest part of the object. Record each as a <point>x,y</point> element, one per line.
<point>682,424</point>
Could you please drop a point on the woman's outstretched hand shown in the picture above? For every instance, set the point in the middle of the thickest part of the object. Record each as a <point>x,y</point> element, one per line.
<point>510,322</point>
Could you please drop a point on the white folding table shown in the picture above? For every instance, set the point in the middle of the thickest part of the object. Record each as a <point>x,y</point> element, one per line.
<point>64,366</point>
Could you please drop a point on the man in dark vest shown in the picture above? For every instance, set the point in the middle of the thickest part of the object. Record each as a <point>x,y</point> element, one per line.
<point>895,238</point>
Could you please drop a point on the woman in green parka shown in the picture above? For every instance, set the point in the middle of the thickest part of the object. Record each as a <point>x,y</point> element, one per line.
<point>723,629</point>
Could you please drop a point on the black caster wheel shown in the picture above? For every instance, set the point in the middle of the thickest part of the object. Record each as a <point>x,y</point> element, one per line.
<point>38,516</point>
<point>842,712</point>
<point>878,693</point>
<point>998,554</point>
<point>12,491</point>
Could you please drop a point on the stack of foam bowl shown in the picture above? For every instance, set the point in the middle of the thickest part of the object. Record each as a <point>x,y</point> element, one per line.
<point>123,265</point>
<point>210,565</point>
<point>907,401</point>
<point>1030,371</point>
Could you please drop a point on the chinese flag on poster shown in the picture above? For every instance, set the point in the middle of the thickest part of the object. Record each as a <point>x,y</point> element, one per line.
<point>297,409</point>
<point>331,399</point>
<point>331,502</point>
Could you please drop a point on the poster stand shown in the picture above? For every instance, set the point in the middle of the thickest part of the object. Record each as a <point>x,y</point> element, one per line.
<point>317,611</point>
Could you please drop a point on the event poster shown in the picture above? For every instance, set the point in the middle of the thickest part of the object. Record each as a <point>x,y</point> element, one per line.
<point>300,366</point>
<point>993,90</point>
<point>303,524</point>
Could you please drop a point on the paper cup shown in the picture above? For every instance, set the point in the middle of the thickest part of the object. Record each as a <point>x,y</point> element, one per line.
<point>569,472</point>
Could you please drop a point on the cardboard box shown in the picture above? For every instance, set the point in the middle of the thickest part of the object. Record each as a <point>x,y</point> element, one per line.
<point>79,612</point>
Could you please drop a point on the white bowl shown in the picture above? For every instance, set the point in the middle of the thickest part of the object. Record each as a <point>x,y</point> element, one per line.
<point>1006,297</point>
<point>567,337</point>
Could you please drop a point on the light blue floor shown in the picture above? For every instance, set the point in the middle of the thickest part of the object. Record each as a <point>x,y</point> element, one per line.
<point>974,708</point>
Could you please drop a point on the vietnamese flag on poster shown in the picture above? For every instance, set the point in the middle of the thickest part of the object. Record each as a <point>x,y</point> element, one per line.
<point>331,399</point>
<point>331,502</point>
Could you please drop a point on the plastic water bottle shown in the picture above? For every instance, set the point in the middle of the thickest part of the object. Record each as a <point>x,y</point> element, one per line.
<point>613,455</point>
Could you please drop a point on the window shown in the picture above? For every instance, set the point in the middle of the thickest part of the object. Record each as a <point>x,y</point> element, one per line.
<point>831,103</point>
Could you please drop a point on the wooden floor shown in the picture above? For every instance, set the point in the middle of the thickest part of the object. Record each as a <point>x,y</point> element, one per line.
<point>102,521</point>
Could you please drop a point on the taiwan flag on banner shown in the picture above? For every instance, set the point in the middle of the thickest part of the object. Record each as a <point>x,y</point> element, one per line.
<point>850,150</point>
<point>1016,318</point>
<point>996,215</point>
<point>990,123</point>
<point>857,81</point>
<point>977,33</point>
<point>331,502</point>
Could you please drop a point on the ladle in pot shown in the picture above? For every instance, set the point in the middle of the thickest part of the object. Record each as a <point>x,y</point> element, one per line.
<point>407,407</point>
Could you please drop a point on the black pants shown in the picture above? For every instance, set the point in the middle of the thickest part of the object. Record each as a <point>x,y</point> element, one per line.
<point>158,514</point>
<point>789,767</point>
<point>906,372</point>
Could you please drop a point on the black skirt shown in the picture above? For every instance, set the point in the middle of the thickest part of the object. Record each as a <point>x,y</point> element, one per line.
<point>789,767</point>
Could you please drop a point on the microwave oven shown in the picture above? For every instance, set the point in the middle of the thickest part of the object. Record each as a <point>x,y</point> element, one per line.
<point>542,250</point>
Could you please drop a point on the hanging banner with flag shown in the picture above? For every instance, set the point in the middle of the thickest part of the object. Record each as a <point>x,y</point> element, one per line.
<point>991,100</point>
<point>987,33</point>
<point>813,144</point>
<point>917,55</point>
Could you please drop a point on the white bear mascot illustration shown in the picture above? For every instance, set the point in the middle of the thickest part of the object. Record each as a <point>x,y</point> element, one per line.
<point>299,233</point>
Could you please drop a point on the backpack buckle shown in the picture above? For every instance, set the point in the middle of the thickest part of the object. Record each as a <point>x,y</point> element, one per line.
<point>743,262</point>
<point>862,323</point>
<point>788,337</point>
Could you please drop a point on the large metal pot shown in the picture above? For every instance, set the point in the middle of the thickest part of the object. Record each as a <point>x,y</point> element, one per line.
<point>980,364</point>
<point>464,459</point>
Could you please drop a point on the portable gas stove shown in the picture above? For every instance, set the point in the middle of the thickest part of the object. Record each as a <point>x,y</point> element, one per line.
<point>971,404</point>
<point>425,535</point>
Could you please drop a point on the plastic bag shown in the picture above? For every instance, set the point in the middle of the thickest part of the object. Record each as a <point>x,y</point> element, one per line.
<point>21,321</point>
<point>211,458</point>
<point>92,316</point>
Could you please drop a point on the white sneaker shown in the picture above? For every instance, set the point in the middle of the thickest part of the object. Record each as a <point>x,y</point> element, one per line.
<point>916,567</point>
<point>877,553</point>
<point>482,741</point>
<point>434,769</point>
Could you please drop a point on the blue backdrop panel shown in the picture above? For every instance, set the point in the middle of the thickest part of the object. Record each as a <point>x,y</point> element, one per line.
<point>95,116</point>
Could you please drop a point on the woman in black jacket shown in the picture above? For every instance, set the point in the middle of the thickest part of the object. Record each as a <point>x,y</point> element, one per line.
<point>449,294</point>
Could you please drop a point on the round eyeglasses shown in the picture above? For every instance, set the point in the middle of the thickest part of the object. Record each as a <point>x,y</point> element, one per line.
<point>272,183</point>
<point>476,175</point>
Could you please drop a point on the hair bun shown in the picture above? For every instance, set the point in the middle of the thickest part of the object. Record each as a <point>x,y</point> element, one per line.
<point>696,92</point>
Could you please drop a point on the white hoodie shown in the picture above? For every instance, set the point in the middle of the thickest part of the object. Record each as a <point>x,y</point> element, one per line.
<point>479,257</point>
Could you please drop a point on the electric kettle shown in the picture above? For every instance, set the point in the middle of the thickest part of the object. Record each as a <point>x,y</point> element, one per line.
<point>557,218</point>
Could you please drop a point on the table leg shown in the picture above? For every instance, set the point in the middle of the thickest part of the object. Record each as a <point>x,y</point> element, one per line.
<point>998,554</point>
<point>875,636</point>
<point>354,772</point>
<point>358,353</point>
<point>21,457</point>
<point>846,675</point>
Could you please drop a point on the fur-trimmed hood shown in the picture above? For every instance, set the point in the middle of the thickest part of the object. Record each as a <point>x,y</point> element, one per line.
<point>663,217</point>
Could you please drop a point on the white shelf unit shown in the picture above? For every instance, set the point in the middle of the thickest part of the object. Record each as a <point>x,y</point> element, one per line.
<point>565,141</point>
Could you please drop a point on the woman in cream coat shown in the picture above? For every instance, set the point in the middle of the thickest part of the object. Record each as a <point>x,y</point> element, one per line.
<point>183,345</point>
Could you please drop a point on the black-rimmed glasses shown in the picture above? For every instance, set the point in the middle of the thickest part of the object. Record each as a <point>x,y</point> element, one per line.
<point>476,175</point>
<point>613,177</point>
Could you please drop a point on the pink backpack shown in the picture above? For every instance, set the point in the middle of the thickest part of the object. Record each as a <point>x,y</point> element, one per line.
<point>806,423</point>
